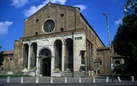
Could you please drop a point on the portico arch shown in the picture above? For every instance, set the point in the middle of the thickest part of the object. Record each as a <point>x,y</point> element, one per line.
<point>69,54</point>
<point>58,54</point>
<point>25,55</point>
<point>33,55</point>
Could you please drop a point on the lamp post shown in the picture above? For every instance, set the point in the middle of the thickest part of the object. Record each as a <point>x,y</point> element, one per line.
<point>108,30</point>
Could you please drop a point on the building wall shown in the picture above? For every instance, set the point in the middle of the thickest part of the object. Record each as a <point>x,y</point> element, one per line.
<point>67,21</point>
<point>105,59</point>
<point>8,65</point>
<point>79,40</point>
<point>74,26</point>
<point>72,19</point>
<point>18,56</point>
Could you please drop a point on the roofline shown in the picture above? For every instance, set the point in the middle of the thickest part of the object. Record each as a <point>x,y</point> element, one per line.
<point>50,4</point>
<point>8,52</point>
<point>91,28</point>
<point>103,48</point>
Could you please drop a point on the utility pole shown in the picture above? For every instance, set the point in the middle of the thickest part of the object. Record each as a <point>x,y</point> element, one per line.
<point>108,29</point>
<point>111,64</point>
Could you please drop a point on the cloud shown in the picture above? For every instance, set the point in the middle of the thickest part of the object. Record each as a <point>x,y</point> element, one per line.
<point>33,9</point>
<point>82,7</point>
<point>4,27</point>
<point>58,1</point>
<point>118,21</point>
<point>19,3</point>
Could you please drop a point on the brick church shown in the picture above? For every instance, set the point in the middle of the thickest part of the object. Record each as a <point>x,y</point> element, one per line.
<point>58,41</point>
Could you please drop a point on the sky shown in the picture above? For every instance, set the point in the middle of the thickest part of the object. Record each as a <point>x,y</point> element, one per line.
<point>14,12</point>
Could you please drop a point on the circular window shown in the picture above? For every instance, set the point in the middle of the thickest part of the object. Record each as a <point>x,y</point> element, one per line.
<point>49,26</point>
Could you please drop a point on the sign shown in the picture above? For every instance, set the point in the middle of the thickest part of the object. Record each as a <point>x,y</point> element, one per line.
<point>112,66</point>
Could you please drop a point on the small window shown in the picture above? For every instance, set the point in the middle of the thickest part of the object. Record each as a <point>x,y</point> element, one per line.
<point>62,29</point>
<point>61,14</point>
<point>37,20</point>
<point>36,33</point>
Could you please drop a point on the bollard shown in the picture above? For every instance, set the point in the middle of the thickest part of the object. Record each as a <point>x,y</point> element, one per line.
<point>132,78</point>
<point>93,79</point>
<point>107,79</point>
<point>92,73</point>
<point>119,79</point>
<point>8,79</point>
<point>65,79</point>
<point>88,73</point>
<point>51,80</point>
<point>21,79</point>
<point>79,79</point>
<point>37,79</point>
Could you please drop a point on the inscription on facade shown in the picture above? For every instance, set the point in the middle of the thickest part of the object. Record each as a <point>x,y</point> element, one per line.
<point>78,38</point>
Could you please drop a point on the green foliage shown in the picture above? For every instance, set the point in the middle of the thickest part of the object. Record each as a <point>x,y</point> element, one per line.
<point>125,42</point>
<point>125,38</point>
<point>131,7</point>
<point>120,69</point>
<point>1,56</point>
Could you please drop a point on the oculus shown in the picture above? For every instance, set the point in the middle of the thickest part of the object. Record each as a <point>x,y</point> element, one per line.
<point>49,26</point>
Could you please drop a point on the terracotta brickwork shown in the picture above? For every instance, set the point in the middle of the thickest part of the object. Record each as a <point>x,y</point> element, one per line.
<point>105,59</point>
<point>18,56</point>
<point>70,28</point>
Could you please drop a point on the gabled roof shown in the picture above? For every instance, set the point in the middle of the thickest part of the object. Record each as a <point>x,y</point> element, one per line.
<point>52,4</point>
<point>80,15</point>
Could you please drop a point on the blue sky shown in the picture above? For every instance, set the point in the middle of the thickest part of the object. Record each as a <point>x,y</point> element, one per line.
<point>14,12</point>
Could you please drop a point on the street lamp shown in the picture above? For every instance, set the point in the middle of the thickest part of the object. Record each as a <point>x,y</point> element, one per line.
<point>111,64</point>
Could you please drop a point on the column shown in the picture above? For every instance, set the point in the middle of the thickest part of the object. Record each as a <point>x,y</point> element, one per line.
<point>37,63</point>
<point>29,57</point>
<point>63,56</point>
<point>52,60</point>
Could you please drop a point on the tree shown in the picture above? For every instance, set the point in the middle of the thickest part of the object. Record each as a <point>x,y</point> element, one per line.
<point>1,56</point>
<point>125,42</point>
<point>130,7</point>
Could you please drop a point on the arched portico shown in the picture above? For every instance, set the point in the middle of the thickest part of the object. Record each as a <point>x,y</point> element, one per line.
<point>33,55</point>
<point>58,55</point>
<point>25,55</point>
<point>69,54</point>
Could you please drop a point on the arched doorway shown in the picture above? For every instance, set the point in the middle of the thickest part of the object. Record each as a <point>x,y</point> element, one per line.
<point>45,62</point>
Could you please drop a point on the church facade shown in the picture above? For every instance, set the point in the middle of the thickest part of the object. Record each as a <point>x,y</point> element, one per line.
<point>57,41</point>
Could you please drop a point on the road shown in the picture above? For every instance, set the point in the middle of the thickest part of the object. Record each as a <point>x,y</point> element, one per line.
<point>71,84</point>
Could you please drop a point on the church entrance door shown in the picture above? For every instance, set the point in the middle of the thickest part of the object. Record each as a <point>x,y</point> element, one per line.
<point>45,62</point>
<point>46,67</point>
